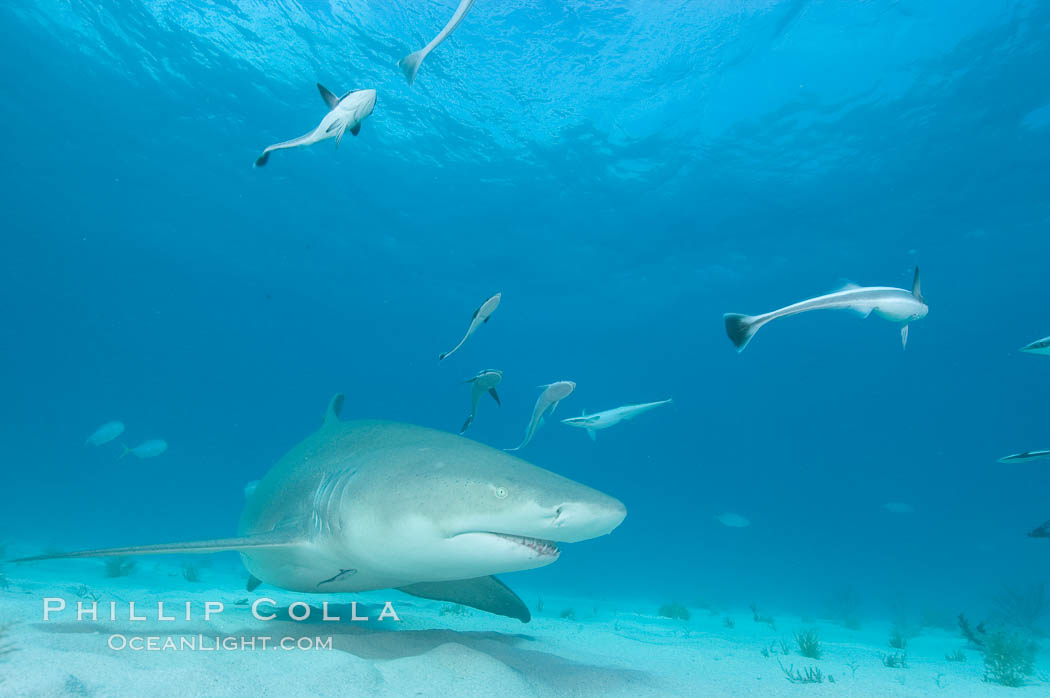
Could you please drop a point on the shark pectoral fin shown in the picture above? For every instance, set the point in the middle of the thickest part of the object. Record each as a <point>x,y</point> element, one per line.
<point>329,98</point>
<point>904,337</point>
<point>272,539</point>
<point>356,129</point>
<point>483,593</point>
<point>253,583</point>
<point>594,436</point>
<point>335,406</point>
<point>495,396</point>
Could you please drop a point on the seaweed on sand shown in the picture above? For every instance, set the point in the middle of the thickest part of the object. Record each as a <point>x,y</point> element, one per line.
<point>1009,658</point>
<point>845,605</point>
<point>191,572</point>
<point>674,610</point>
<point>6,646</point>
<point>759,618</point>
<point>898,638</point>
<point>956,656</point>
<point>897,660</point>
<point>812,674</point>
<point>567,614</point>
<point>1022,607</point>
<point>975,638</point>
<point>119,567</point>
<point>808,642</point>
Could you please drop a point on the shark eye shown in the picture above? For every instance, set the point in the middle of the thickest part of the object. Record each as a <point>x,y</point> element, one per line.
<point>501,492</point>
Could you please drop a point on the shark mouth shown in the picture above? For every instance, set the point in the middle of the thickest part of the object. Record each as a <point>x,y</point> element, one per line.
<point>544,548</point>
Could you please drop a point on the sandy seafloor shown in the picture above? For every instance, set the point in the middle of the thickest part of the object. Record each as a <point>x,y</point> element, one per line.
<point>612,648</point>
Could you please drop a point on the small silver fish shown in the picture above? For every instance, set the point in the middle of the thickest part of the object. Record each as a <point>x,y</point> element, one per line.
<point>733,520</point>
<point>147,449</point>
<point>105,433</point>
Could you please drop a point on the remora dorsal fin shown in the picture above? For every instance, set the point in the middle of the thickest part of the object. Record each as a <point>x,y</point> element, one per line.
<point>329,98</point>
<point>271,539</point>
<point>916,289</point>
<point>335,406</point>
<point>483,593</point>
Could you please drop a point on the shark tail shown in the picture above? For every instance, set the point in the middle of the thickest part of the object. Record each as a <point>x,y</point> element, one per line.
<point>272,539</point>
<point>741,328</point>
<point>410,65</point>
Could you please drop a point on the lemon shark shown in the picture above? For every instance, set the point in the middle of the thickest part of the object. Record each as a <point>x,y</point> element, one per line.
<point>410,64</point>
<point>363,505</point>
<point>344,114</point>
<point>480,317</point>
<point>609,418</point>
<point>893,304</point>
<point>485,382</point>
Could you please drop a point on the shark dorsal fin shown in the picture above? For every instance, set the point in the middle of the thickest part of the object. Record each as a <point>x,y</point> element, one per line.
<point>329,98</point>
<point>916,290</point>
<point>335,406</point>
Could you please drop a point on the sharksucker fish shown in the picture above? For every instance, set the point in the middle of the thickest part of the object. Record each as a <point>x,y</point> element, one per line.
<point>609,418</point>
<point>344,114</point>
<point>410,64</point>
<point>485,382</point>
<point>893,304</point>
<point>480,317</point>
<point>546,403</point>
<point>1025,456</point>
<point>1039,346</point>
<point>363,505</point>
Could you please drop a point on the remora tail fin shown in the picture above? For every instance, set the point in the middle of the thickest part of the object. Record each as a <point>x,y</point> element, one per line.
<point>273,539</point>
<point>410,65</point>
<point>741,328</point>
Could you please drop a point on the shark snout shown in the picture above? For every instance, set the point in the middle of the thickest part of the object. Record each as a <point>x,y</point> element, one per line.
<point>576,521</point>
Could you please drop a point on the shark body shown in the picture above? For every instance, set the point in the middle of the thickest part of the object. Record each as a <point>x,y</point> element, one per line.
<point>364,505</point>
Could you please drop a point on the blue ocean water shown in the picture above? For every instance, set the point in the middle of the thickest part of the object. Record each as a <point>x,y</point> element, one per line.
<point>624,173</point>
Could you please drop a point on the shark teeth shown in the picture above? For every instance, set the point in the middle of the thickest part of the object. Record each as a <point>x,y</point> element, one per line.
<point>543,547</point>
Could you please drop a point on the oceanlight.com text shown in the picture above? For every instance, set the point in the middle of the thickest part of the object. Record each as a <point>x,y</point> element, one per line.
<point>216,643</point>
